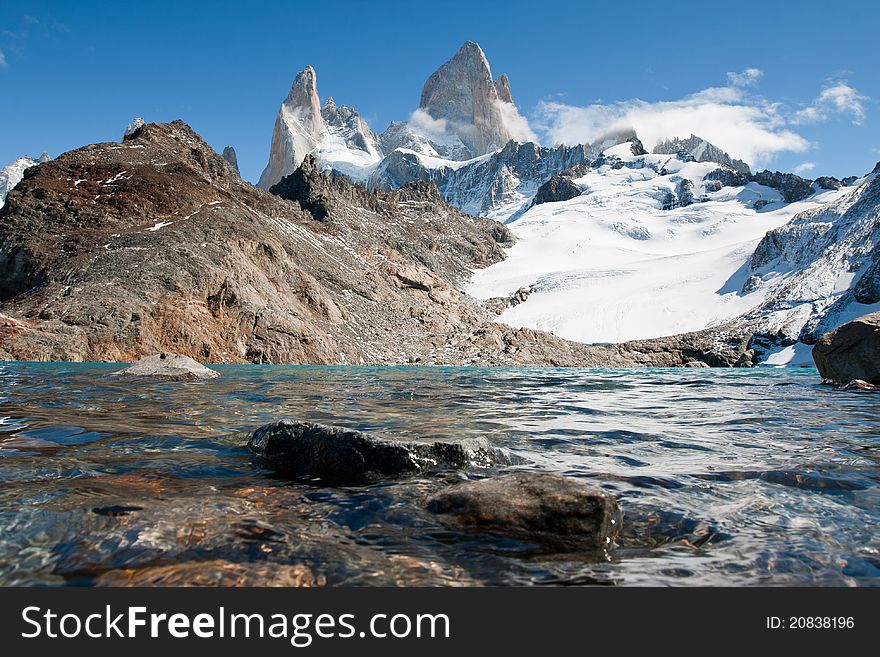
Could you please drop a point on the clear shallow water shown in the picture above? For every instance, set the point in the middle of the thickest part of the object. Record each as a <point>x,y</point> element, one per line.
<point>739,477</point>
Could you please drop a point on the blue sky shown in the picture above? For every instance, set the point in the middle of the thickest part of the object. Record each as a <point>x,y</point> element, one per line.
<point>76,73</point>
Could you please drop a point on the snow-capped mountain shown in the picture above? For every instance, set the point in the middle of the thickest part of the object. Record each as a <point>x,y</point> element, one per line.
<point>615,243</point>
<point>464,100</point>
<point>298,128</point>
<point>335,134</point>
<point>820,270</point>
<point>701,151</point>
<point>464,113</point>
<point>620,262</point>
<point>496,185</point>
<point>466,136</point>
<point>12,174</point>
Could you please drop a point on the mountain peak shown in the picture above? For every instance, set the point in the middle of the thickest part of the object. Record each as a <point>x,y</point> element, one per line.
<point>476,108</point>
<point>304,90</point>
<point>502,85</point>
<point>230,156</point>
<point>298,128</point>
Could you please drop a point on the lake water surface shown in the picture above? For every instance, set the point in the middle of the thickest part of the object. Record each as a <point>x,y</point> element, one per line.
<point>725,477</point>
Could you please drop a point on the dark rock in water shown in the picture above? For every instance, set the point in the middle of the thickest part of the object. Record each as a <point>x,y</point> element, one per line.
<point>828,182</point>
<point>116,510</point>
<point>168,366</point>
<point>793,188</point>
<point>558,188</point>
<point>345,457</point>
<point>850,352</point>
<point>230,156</point>
<point>536,507</point>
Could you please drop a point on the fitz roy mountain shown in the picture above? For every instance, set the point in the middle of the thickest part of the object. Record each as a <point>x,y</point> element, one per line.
<point>453,237</point>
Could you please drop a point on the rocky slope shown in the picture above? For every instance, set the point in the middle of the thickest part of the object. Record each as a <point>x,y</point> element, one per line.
<point>820,270</point>
<point>115,251</point>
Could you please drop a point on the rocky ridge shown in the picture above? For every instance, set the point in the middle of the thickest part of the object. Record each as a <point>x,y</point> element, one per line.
<point>117,251</point>
<point>700,150</point>
<point>821,269</point>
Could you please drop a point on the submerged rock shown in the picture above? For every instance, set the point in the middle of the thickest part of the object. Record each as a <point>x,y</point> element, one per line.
<point>169,366</point>
<point>536,507</point>
<point>850,352</point>
<point>345,457</point>
<point>216,572</point>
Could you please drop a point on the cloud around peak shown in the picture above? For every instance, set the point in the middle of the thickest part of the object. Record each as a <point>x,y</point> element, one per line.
<point>749,128</point>
<point>734,117</point>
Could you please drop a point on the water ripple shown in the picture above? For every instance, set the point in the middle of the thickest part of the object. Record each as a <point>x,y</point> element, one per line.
<point>725,477</point>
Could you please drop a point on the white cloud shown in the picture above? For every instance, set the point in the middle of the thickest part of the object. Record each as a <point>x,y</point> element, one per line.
<point>424,124</point>
<point>515,123</point>
<point>804,167</point>
<point>837,98</point>
<point>748,128</point>
<point>3,63</point>
<point>747,78</point>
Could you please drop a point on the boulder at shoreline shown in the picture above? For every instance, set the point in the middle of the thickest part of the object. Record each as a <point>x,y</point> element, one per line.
<point>850,352</point>
<point>169,366</point>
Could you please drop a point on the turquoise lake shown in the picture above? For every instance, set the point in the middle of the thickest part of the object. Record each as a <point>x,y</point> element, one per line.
<point>725,477</point>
